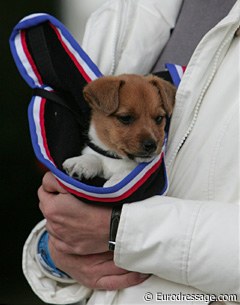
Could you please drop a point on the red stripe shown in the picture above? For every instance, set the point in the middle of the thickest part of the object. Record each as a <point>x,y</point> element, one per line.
<point>29,57</point>
<point>121,197</point>
<point>42,127</point>
<point>184,68</point>
<point>76,62</point>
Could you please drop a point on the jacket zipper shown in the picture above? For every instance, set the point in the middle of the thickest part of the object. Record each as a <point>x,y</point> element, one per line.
<point>202,94</point>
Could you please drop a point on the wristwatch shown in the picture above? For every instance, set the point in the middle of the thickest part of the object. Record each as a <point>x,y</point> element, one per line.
<point>115,219</point>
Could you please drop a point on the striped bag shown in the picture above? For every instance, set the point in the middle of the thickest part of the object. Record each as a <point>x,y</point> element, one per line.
<point>56,68</point>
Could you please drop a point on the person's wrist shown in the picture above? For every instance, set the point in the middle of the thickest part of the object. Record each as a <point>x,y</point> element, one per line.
<point>114,223</point>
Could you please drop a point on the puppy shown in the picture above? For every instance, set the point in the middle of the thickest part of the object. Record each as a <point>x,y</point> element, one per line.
<point>128,118</point>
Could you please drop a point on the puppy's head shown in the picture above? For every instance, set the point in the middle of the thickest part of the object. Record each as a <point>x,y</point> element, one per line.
<point>129,114</point>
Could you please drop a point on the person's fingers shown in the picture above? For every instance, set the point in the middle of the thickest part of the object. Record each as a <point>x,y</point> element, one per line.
<point>108,268</point>
<point>43,195</point>
<point>53,236</point>
<point>59,245</point>
<point>102,273</point>
<point>99,258</point>
<point>58,202</point>
<point>54,205</point>
<point>48,205</point>
<point>51,185</point>
<point>96,271</point>
<point>116,282</point>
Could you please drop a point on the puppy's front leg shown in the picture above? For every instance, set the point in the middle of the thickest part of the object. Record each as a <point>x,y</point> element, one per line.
<point>87,166</point>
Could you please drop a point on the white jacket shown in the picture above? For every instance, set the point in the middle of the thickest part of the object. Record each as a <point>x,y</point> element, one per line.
<point>189,239</point>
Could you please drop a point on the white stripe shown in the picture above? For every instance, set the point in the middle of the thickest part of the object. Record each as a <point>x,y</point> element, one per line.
<point>32,16</point>
<point>179,70</point>
<point>36,117</point>
<point>24,59</point>
<point>120,192</point>
<point>82,63</point>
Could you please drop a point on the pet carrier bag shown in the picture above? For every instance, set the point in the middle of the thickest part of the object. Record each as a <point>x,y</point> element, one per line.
<point>56,68</point>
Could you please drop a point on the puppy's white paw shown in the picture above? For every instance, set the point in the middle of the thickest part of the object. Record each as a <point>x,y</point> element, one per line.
<point>115,179</point>
<point>87,166</point>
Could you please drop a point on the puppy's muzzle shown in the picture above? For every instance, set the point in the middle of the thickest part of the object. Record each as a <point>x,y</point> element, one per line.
<point>149,146</point>
<point>146,151</point>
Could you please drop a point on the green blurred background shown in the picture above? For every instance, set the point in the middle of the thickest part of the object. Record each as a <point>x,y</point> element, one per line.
<point>20,172</point>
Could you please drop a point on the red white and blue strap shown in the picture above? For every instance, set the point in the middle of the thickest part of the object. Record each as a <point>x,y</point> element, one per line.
<point>176,72</point>
<point>120,191</point>
<point>25,62</point>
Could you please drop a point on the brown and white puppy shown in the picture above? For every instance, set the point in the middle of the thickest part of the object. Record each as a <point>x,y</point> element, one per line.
<point>129,114</point>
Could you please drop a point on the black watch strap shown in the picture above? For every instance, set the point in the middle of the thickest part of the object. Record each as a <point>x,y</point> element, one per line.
<point>115,219</point>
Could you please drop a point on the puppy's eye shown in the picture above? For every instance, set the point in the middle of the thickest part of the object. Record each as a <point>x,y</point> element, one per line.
<point>125,119</point>
<point>158,119</point>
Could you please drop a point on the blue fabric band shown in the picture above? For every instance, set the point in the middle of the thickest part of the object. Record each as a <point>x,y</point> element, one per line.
<point>45,257</point>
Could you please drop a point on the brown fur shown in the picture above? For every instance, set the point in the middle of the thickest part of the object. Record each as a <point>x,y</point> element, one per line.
<point>142,97</point>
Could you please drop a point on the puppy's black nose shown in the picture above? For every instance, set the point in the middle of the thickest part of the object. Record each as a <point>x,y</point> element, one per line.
<point>149,145</point>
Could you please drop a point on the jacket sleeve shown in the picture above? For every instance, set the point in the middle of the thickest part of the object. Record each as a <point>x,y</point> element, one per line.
<point>121,36</point>
<point>48,288</point>
<point>188,242</point>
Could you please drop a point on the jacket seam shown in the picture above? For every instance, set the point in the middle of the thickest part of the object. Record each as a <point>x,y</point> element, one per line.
<point>212,168</point>
<point>142,5</point>
<point>188,241</point>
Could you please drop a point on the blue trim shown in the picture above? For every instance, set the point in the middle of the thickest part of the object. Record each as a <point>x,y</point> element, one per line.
<point>174,74</point>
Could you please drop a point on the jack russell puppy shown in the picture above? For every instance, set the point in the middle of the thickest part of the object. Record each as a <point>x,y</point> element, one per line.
<point>127,126</point>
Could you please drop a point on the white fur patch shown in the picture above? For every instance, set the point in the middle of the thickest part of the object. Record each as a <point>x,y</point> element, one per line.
<point>91,163</point>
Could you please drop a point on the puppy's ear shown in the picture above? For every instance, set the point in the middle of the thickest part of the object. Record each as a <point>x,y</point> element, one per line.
<point>103,94</point>
<point>166,91</point>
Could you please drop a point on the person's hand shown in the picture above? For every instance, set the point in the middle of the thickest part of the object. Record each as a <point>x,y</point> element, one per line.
<point>96,271</point>
<point>74,227</point>
<point>73,234</point>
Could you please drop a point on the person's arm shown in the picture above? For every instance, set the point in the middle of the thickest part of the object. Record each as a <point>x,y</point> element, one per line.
<point>128,36</point>
<point>78,245</point>
<point>191,236</point>
<point>189,242</point>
